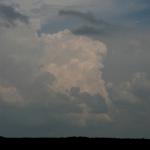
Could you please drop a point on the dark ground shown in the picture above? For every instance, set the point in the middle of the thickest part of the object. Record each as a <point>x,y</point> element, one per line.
<point>73,140</point>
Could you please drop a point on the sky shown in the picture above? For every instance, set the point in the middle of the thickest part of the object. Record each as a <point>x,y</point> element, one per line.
<point>75,68</point>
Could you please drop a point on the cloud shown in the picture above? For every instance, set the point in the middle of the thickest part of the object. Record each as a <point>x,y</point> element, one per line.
<point>9,95</point>
<point>86,16</point>
<point>99,30</point>
<point>9,16</point>
<point>86,24</point>
<point>33,72</point>
<point>30,76</point>
<point>77,58</point>
<point>53,85</point>
<point>131,99</point>
<point>134,91</point>
<point>75,62</point>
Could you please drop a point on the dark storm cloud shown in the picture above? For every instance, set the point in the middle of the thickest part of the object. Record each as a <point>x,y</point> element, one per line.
<point>100,30</point>
<point>86,16</point>
<point>9,15</point>
<point>91,25</point>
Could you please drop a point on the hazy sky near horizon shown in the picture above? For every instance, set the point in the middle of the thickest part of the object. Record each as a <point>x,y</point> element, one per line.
<point>75,68</point>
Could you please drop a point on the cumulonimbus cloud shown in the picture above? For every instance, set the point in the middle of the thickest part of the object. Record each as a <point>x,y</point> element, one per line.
<point>75,61</point>
<point>68,84</point>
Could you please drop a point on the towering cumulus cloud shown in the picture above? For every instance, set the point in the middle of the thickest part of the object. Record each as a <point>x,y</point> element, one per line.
<point>75,62</point>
